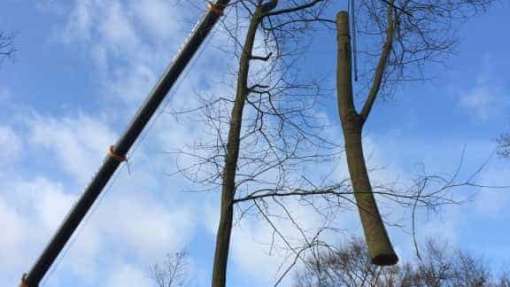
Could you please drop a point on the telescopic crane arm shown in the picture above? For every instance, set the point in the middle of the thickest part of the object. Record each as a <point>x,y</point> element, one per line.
<point>117,153</point>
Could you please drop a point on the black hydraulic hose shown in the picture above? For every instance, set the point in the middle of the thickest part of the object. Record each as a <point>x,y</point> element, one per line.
<point>118,152</point>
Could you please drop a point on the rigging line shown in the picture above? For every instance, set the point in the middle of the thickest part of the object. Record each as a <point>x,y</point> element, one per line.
<point>354,38</point>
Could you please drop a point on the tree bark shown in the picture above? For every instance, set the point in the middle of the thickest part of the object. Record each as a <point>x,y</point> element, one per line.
<point>378,243</point>
<point>229,170</point>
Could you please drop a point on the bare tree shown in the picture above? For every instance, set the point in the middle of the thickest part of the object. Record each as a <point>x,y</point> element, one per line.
<point>440,266</point>
<point>280,147</point>
<point>173,272</point>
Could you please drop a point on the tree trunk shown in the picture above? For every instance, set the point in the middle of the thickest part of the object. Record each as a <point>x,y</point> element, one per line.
<point>231,158</point>
<point>378,243</point>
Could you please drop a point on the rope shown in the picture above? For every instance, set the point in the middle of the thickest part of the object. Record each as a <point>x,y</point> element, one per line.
<point>352,11</point>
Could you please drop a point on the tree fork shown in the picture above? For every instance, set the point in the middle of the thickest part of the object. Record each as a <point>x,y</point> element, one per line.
<point>379,246</point>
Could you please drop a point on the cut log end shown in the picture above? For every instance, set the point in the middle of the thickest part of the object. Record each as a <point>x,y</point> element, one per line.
<point>385,259</point>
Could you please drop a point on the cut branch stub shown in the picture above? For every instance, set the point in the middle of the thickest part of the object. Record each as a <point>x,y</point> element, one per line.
<point>378,243</point>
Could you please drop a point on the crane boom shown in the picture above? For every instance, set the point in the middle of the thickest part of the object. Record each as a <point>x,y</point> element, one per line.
<point>117,153</point>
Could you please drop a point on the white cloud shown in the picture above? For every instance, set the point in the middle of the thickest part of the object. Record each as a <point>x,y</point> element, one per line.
<point>132,221</point>
<point>486,98</point>
<point>126,224</point>
<point>263,256</point>
<point>148,226</point>
<point>250,250</point>
<point>159,17</point>
<point>29,211</point>
<point>443,226</point>
<point>106,26</point>
<point>13,231</point>
<point>78,143</point>
<point>51,204</point>
<point>107,22</point>
<point>11,145</point>
<point>128,276</point>
<point>481,101</point>
<point>493,202</point>
<point>129,227</point>
<point>130,42</point>
<point>80,21</point>
<point>132,84</point>
<point>116,28</point>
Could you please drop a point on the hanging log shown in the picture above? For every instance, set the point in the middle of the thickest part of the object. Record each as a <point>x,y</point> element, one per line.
<point>378,243</point>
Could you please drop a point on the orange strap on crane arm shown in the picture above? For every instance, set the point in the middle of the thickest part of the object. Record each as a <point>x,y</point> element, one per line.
<point>116,156</point>
<point>23,281</point>
<point>216,8</point>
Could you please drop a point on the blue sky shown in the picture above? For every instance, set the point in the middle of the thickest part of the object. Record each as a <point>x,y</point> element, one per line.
<point>83,67</point>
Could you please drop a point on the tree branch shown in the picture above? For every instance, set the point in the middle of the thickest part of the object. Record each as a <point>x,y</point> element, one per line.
<point>293,9</point>
<point>381,65</point>
<point>265,59</point>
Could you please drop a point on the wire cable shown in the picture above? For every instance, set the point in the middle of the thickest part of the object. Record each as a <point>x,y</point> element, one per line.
<point>352,11</point>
